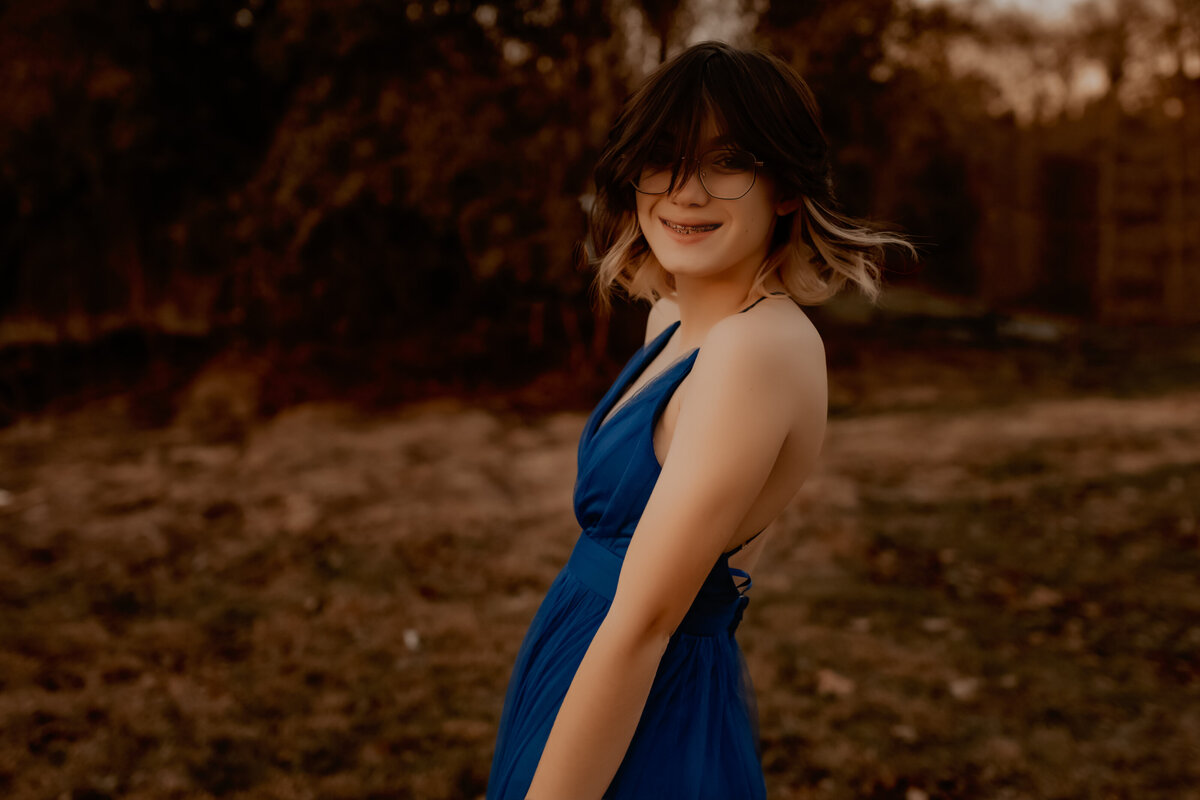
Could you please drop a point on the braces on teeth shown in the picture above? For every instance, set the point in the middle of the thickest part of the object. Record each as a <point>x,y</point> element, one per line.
<point>686,229</point>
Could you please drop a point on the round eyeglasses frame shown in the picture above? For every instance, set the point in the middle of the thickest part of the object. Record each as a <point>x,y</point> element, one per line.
<point>700,171</point>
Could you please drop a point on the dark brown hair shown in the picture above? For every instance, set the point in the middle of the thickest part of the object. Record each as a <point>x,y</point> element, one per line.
<point>765,107</point>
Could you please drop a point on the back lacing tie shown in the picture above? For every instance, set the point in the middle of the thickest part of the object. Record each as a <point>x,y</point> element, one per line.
<point>742,587</point>
<point>742,600</point>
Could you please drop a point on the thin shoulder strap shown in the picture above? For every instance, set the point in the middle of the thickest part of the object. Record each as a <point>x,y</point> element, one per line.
<point>759,300</point>
<point>743,544</point>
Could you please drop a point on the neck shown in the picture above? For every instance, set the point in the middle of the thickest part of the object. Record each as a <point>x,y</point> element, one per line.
<point>703,302</point>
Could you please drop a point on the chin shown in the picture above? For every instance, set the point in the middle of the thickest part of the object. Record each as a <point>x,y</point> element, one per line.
<point>681,266</point>
<point>692,263</point>
<point>688,262</point>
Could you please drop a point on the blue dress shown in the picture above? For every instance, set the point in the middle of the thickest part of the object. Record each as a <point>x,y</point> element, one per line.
<point>698,735</point>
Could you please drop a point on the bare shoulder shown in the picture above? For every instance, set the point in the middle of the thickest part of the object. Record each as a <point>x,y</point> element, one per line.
<point>765,369</point>
<point>772,365</point>
<point>664,312</point>
<point>779,338</point>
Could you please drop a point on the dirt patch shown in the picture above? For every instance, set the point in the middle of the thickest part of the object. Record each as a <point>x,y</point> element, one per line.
<point>995,602</point>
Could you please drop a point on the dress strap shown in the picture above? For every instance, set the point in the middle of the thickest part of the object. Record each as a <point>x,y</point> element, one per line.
<point>743,544</point>
<point>747,308</point>
<point>746,582</point>
<point>759,300</point>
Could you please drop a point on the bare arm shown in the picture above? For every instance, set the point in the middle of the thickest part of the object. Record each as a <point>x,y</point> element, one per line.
<point>741,404</point>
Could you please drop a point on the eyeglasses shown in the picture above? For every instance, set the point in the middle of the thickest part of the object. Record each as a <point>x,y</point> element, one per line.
<point>724,174</point>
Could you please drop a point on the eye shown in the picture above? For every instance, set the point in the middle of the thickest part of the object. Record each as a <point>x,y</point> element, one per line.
<point>730,161</point>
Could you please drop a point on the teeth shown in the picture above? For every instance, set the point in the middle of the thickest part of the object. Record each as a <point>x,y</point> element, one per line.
<point>687,229</point>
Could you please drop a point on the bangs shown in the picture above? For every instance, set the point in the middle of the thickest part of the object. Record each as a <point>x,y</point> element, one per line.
<point>754,102</point>
<point>666,128</point>
<point>665,120</point>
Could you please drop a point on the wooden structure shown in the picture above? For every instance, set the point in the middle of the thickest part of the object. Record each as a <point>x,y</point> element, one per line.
<point>1098,216</point>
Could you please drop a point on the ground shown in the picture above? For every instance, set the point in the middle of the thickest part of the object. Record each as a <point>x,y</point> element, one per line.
<point>988,590</point>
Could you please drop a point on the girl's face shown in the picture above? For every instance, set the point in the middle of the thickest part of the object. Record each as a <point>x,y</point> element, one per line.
<point>694,234</point>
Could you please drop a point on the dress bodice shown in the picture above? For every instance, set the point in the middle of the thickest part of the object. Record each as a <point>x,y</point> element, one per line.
<point>617,467</point>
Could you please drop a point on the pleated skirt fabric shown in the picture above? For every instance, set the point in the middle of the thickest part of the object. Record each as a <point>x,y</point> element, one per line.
<point>697,738</point>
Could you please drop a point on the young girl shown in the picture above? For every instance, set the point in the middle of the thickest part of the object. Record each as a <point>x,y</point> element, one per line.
<point>713,201</point>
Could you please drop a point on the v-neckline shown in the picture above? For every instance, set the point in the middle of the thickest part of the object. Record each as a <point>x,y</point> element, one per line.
<point>610,414</point>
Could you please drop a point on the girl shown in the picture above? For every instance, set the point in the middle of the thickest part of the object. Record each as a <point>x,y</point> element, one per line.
<point>714,201</point>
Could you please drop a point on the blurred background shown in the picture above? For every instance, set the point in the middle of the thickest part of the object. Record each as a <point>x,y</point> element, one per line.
<point>296,347</point>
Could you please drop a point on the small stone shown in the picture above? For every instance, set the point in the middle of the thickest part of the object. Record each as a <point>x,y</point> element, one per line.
<point>964,688</point>
<point>412,639</point>
<point>831,683</point>
<point>300,513</point>
<point>1043,597</point>
<point>1001,750</point>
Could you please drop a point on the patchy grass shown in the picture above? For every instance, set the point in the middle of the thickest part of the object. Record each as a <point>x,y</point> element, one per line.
<point>965,602</point>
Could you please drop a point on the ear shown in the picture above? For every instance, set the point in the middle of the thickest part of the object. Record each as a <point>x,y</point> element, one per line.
<point>787,206</point>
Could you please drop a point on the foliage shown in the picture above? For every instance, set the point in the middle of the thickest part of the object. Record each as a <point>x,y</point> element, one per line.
<point>369,172</point>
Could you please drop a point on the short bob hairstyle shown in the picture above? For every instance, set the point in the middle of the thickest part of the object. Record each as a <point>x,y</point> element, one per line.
<point>764,106</point>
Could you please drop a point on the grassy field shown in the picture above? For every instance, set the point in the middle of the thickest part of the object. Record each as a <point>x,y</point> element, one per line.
<point>987,591</point>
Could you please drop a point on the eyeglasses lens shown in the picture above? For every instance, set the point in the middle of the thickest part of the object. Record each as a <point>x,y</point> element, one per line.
<point>724,174</point>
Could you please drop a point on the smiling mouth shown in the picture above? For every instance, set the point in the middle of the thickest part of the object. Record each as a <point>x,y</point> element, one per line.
<point>690,229</point>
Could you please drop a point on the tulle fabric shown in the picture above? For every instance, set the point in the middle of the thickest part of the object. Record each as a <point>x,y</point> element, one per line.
<point>553,647</point>
<point>696,740</point>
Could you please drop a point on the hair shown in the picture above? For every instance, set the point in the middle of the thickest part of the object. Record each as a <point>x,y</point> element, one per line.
<point>766,108</point>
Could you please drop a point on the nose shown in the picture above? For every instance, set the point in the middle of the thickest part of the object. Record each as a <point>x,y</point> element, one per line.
<point>690,191</point>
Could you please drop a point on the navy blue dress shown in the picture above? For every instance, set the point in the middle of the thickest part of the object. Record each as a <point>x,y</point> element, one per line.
<point>698,735</point>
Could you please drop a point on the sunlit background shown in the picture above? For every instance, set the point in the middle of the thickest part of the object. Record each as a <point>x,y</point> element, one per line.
<point>296,348</point>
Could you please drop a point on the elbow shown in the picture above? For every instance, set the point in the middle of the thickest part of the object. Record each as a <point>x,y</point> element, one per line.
<point>641,630</point>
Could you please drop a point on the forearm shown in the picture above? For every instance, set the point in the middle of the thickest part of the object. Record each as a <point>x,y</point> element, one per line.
<point>598,716</point>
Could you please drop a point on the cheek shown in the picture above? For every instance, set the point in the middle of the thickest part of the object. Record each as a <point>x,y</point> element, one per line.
<point>760,223</point>
<point>644,204</point>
